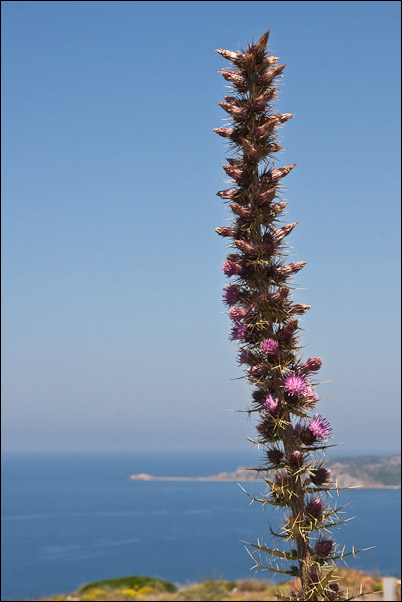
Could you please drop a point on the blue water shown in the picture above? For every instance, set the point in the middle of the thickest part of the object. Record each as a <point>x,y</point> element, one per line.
<point>72,518</point>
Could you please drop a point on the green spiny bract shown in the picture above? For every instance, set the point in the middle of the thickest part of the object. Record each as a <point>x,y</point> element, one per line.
<point>267,329</point>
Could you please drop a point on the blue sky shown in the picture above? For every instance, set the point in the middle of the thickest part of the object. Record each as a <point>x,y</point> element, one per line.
<point>114,336</point>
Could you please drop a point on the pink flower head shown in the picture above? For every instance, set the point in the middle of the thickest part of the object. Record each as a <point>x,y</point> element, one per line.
<point>311,396</point>
<point>312,365</point>
<point>238,331</point>
<point>296,459</point>
<point>320,427</point>
<point>295,385</point>
<point>236,313</point>
<point>231,294</point>
<point>281,480</point>
<point>231,268</point>
<point>273,405</point>
<point>314,508</point>
<point>269,347</point>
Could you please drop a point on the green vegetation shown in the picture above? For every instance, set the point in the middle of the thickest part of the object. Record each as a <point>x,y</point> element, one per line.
<point>147,589</point>
<point>130,582</point>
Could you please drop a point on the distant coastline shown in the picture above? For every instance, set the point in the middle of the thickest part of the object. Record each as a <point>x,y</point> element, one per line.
<point>366,472</point>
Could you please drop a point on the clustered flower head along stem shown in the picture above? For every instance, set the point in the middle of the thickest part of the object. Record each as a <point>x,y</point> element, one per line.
<point>265,326</point>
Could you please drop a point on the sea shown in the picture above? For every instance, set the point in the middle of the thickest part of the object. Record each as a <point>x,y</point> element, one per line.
<point>73,518</point>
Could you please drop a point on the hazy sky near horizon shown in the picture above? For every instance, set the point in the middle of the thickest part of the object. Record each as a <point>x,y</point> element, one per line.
<point>114,335</point>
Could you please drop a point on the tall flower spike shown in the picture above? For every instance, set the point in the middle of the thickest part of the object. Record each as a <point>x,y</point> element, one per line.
<point>262,314</point>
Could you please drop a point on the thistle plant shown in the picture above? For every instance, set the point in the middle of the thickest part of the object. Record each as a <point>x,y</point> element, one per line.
<point>265,325</point>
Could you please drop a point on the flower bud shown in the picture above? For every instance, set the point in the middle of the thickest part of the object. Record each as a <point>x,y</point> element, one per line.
<point>227,194</point>
<point>247,248</point>
<point>267,77</point>
<point>226,231</point>
<point>275,456</point>
<point>261,101</point>
<point>299,309</point>
<point>284,271</point>
<point>231,295</point>
<point>240,176</point>
<point>267,428</point>
<point>235,78</point>
<point>319,476</point>
<point>277,208</point>
<point>273,121</point>
<point>296,459</point>
<point>236,57</point>
<point>264,199</point>
<point>312,365</point>
<point>257,371</point>
<point>323,547</point>
<point>236,313</point>
<point>237,112</point>
<point>244,212</point>
<point>250,153</point>
<point>225,132</point>
<point>230,268</point>
<point>314,508</point>
<point>280,233</point>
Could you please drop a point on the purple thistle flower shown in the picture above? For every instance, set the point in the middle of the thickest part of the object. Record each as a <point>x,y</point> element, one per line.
<point>311,396</point>
<point>319,476</point>
<point>314,508</point>
<point>320,427</point>
<point>231,268</point>
<point>244,357</point>
<point>269,347</point>
<point>312,365</point>
<point>273,405</point>
<point>294,385</point>
<point>324,547</point>
<point>238,331</point>
<point>236,313</point>
<point>231,294</point>
<point>296,459</point>
<point>275,456</point>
